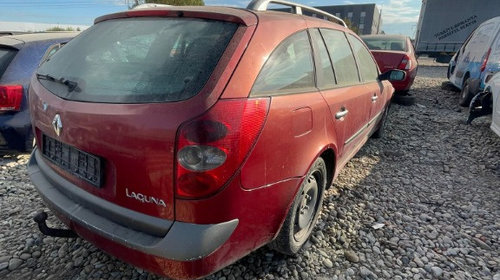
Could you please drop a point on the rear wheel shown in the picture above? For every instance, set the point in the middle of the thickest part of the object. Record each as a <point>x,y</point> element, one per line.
<point>466,94</point>
<point>304,212</point>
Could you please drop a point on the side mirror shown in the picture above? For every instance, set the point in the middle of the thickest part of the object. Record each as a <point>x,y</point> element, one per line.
<point>393,75</point>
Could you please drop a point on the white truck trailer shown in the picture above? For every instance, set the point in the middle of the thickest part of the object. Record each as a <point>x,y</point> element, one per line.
<point>444,25</point>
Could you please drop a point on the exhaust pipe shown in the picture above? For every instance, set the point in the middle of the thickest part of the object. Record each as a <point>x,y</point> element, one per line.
<point>41,219</point>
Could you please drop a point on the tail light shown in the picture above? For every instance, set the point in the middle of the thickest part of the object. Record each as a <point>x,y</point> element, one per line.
<point>485,60</point>
<point>212,147</point>
<point>405,63</point>
<point>11,97</point>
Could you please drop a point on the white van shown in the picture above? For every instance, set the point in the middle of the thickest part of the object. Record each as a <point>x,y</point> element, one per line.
<point>477,60</point>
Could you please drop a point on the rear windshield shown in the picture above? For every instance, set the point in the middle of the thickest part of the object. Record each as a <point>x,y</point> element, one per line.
<point>386,44</point>
<point>138,60</point>
<point>6,56</point>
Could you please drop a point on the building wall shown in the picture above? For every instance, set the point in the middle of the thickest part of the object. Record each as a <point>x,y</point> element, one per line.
<point>366,17</point>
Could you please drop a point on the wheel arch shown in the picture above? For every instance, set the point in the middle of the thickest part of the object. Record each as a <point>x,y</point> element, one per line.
<point>466,76</point>
<point>328,155</point>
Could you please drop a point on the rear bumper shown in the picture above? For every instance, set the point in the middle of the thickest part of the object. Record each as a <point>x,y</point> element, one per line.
<point>153,236</point>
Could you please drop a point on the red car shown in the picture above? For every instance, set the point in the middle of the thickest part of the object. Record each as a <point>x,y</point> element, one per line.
<point>394,52</point>
<point>182,162</point>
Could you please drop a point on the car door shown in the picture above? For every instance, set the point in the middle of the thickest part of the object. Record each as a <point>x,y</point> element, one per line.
<point>369,77</point>
<point>349,100</point>
<point>295,125</point>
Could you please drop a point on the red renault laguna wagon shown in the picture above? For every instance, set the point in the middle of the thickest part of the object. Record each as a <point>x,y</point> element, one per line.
<point>180,139</point>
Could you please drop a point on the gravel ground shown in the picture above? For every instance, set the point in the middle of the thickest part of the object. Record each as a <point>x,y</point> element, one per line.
<point>421,203</point>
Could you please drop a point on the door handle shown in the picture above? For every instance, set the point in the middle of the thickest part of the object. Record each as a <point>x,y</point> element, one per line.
<point>374,98</point>
<point>342,113</point>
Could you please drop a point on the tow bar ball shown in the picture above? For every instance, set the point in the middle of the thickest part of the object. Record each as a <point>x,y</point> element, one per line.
<point>41,219</point>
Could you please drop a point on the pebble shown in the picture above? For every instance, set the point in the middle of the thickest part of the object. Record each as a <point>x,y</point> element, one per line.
<point>328,263</point>
<point>4,265</point>
<point>14,263</point>
<point>436,271</point>
<point>25,256</point>
<point>351,256</point>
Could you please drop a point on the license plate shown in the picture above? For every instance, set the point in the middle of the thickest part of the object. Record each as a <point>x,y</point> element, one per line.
<point>78,163</point>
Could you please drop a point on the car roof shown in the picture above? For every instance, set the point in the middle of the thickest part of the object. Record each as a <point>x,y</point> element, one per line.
<point>495,20</point>
<point>14,40</point>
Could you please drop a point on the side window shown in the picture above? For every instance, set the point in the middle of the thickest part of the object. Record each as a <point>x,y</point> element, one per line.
<point>326,79</point>
<point>367,67</point>
<point>289,69</point>
<point>478,43</point>
<point>343,61</point>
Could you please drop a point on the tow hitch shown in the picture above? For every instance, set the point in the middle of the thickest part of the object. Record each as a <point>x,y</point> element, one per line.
<point>41,219</point>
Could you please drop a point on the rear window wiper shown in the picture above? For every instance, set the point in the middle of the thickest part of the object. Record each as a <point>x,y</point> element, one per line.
<point>72,85</point>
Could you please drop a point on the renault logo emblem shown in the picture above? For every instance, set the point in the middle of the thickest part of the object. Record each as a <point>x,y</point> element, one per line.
<point>57,124</point>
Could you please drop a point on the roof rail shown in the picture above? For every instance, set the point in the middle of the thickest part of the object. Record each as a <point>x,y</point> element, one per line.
<point>261,5</point>
<point>149,6</point>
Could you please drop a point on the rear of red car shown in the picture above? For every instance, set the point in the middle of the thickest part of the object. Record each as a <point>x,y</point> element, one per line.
<point>394,52</point>
<point>132,139</point>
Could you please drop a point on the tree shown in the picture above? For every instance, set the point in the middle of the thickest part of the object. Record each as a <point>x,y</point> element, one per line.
<point>169,2</point>
<point>351,26</point>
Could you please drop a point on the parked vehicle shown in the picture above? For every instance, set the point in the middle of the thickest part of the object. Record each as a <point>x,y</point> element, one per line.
<point>443,25</point>
<point>19,57</point>
<point>394,52</point>
<point>181,162</point>
<point>487,102</point>
<point>476,61</point>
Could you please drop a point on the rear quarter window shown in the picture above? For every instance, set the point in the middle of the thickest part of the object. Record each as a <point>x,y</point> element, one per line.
<point>139,60</point>
<point>6,56</point>
<point>289,69</point>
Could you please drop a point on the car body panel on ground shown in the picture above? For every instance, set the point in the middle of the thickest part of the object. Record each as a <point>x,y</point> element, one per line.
<point>28,50</point>
<point>219,151</point>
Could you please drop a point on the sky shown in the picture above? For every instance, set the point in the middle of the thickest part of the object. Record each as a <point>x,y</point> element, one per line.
<point>398,16</point>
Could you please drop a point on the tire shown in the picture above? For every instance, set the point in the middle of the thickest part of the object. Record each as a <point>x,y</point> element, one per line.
<point>405,100</point>
<point>379,133</point>
<point>29,142</point>
<point>465,94</point>
<point>304,212</point>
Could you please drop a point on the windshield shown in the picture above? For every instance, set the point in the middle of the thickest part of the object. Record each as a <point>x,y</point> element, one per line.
<point>6,56</point>
<point>385,43</point>
<point>138,60</point>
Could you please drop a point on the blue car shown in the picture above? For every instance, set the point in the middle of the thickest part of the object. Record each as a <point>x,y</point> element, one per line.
<point>477,60</point>
<point>20,55</point>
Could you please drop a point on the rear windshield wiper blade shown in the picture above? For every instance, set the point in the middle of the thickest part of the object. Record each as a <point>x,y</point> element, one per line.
<point>72,85</point>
